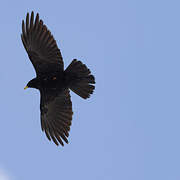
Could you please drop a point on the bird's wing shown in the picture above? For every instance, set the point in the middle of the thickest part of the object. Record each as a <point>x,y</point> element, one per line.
<point>41,46</point>
<point>56,115</point>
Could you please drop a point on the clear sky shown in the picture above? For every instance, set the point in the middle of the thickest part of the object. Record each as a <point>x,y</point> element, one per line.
<point>130,127</point>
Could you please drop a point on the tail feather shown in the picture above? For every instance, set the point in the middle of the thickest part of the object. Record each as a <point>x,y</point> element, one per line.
<point>81,79</point>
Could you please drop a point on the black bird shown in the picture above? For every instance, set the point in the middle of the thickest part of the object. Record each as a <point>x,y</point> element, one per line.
<point>52,80</point>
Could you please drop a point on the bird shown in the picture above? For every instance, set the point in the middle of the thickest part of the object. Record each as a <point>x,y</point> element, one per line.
<point>52,80</point>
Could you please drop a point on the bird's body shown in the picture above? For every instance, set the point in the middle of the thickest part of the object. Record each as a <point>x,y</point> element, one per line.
<point>52,80</point>
<point>57,80</point>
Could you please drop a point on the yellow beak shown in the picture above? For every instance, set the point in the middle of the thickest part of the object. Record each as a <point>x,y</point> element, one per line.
<point>26,87</point>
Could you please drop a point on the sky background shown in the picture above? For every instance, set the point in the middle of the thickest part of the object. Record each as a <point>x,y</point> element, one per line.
<point>130,127</point>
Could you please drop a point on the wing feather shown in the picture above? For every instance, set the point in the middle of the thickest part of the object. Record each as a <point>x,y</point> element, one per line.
<point>56,115</point>
<point>41,46</point>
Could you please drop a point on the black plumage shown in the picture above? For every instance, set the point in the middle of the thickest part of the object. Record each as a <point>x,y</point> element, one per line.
<point>52,80</point>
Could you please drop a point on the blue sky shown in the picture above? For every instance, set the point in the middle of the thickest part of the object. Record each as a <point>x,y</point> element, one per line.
<point>129,128</point>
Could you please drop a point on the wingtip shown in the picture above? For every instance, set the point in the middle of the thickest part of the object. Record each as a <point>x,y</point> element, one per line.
<point>37,15</point>
<point>23,25</point>
<point>27,15</point>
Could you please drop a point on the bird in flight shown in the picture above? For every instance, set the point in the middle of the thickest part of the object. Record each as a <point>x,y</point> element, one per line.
<point>53,82</point>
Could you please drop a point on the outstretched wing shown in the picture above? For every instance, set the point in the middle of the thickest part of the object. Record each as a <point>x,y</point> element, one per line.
<point>56,115</point>
<point>41,46</point>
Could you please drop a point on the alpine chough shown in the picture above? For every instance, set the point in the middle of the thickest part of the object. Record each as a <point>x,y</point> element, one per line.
<point>52,80</point>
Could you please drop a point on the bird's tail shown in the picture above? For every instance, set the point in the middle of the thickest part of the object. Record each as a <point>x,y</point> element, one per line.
<point>81,79</point>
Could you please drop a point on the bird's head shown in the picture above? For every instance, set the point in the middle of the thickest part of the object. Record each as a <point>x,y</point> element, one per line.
<point>34,83</point>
